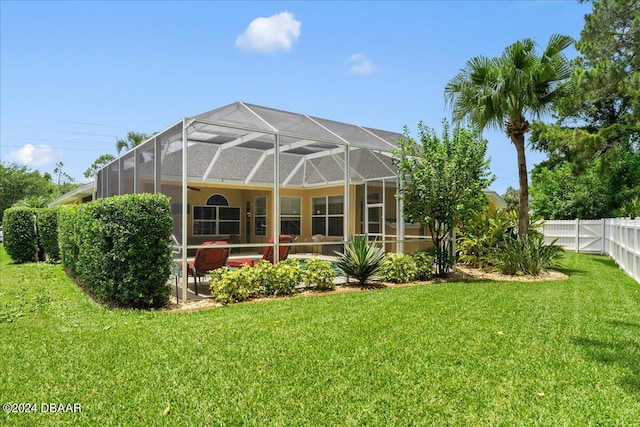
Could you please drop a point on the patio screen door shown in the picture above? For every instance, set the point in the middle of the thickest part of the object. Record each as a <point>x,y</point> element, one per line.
<point>374,210</point>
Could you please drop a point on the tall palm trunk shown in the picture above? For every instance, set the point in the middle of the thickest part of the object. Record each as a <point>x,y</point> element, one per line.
<point>523,214</point>
<point>516,128</point>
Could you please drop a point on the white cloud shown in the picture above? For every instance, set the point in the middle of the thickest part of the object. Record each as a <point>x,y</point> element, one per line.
<point>31,155</point>
<point>265,35</point>
<point>360,64</point>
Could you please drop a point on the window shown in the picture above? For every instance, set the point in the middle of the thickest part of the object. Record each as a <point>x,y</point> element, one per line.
<point>290,215</point>
<point>327,216</point>
<point>260,215</point>
<point>216,217</point>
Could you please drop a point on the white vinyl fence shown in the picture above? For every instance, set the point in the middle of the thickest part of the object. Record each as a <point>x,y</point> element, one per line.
<point>619,238</point>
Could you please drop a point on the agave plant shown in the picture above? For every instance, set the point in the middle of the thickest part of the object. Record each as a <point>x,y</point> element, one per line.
<point>361,259</point>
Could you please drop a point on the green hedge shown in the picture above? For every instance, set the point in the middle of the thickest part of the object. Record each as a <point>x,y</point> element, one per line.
<point>19,231</point>
<point>48,232</point>
<point>118,248</point>
<point>68,237</point>
<point>25,242</point>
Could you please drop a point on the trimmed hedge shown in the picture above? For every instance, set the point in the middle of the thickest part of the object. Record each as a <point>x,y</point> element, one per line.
<point>48,232</point>
<point>26,242</point>
<point>119,248</point>
<point>20,238</point>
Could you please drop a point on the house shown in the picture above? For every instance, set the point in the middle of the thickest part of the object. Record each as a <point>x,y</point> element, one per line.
<point>244,173</point>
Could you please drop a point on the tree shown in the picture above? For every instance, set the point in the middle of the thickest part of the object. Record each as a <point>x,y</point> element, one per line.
<point>441,182</point>
<point>100,162</point>
<point>512,197</point>
<point>133,140</point>
<point>61,174</point>
<point>560,194</point>
<point>597,134</point>
<point>18,182</point>
<point>33,202</point>
<point>497,92</point>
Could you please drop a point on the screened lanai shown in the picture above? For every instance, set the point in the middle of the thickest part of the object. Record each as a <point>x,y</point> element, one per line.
<point>247,174</point>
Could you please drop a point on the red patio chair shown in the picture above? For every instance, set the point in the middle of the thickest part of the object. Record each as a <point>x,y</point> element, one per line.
<point>267,255</point>
<point>207,259</point>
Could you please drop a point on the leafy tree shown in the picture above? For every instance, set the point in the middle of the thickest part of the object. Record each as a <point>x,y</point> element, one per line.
<point>512,197</point>
<point>18,182</point>
<point>499,92</point>
<point>133,140</point>
<point>598,130</point>
<point>63,177</point>
<point>34,202</point>
<point>441,182</point>
<point>100,162</point>
<point>560,194</point>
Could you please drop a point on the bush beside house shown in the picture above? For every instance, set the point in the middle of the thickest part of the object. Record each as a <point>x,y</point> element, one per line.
<point>20,234</point>
<point>31,234</point>
<point>118,248</point>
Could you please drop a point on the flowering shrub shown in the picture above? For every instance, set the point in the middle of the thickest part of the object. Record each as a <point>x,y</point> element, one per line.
<point>398,268</point>
<point>264,279</point>
<point>232,284</point>
<point>319,273</point>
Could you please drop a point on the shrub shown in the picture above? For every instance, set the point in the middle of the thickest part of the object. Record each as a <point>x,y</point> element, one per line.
<point>229,285</point>
<point>361,259</point>
<point>118,248</point>
<point>68,237</point>
<point>47,220</point>
<point>424,265</point>
<point>398,268</point>
<point>480,236</point>
<point>527,254</point>
<point>490,241</point>
<point>319,273</point>
<point>506,257</point>
<point>276,280</point>
<point>20,238</point>
<point>536,255</point>
<point>288,274</point>
<point>232,284</point>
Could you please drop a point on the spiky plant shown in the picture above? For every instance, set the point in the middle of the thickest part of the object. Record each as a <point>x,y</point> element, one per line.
<point>361,259</point>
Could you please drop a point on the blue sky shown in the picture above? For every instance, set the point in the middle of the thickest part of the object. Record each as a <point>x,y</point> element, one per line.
<point>75,76</point>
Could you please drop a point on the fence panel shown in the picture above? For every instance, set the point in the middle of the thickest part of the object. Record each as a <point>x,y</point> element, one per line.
<point>619,238</point>
<point>578,235</point>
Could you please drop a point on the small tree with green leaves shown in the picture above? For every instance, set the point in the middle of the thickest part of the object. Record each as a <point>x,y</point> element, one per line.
<point>441,182</point>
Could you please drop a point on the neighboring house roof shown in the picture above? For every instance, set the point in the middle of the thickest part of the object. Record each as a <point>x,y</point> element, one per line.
<point>496,199</point>
<point>75,196</point>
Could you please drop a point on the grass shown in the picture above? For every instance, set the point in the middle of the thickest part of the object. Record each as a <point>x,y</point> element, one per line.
<point>469,353</point>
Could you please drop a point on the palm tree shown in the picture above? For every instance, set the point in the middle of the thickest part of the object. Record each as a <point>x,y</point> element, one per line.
<point>497,92</point>
<point>133,139</point>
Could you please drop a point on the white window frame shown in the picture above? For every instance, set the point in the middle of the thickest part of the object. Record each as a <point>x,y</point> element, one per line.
<point>295,215</point>
<point>327,215</point>
<point>216,221</point>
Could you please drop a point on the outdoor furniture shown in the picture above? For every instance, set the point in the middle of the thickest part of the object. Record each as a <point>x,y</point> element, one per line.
<point>209,258</point>
<point>267,255</point>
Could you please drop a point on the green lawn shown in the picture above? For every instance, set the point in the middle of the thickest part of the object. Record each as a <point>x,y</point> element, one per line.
<point>469,353</point>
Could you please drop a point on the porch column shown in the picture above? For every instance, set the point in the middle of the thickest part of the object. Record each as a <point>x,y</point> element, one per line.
<point>399,220</point>
<point>276,199</point>
<point>185,177</point>
<point>346,199</point>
